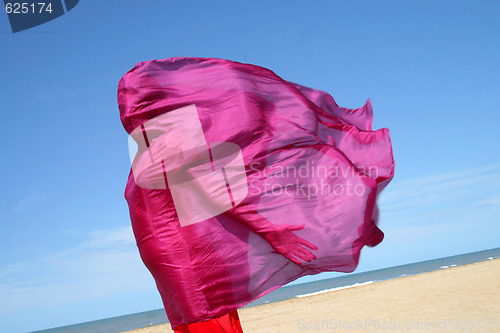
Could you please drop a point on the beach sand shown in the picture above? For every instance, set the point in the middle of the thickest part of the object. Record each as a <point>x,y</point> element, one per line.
<point>457,299</point>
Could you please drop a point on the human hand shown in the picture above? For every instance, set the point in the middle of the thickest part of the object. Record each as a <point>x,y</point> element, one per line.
<point>291,246</point>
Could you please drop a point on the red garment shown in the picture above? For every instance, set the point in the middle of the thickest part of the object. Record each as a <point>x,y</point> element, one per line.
<point>243,182</point>
<point>229,323</point>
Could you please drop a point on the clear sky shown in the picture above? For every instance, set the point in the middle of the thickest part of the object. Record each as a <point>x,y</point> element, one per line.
<point>431,68</point>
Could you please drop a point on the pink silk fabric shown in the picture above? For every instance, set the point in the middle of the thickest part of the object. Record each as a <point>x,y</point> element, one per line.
<point>252,181</point>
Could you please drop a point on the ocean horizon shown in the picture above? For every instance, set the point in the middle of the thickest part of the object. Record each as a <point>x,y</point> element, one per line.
<point>155,317</point>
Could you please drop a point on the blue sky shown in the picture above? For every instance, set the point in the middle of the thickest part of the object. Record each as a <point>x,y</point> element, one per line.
<point>67,253</point>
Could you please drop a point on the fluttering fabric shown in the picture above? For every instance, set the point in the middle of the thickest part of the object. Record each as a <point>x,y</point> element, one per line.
<point>242,182</point>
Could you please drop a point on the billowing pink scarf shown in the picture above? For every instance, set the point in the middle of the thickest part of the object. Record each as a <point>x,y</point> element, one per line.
<point>242,182</point>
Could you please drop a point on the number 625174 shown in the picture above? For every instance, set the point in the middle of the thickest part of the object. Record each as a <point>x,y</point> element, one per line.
<point>25,8</point>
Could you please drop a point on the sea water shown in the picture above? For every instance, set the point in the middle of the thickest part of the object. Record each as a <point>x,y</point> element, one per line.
<point>155,317</point>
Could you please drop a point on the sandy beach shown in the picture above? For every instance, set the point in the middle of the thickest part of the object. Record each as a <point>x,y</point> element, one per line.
<point>457,299</point>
